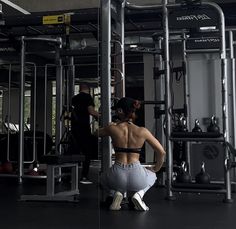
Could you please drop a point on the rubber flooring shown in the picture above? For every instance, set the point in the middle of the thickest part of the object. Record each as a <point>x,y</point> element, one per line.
<point>188,211</point>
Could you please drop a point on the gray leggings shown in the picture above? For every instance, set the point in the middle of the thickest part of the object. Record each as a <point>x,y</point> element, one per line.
<point>131,177</point>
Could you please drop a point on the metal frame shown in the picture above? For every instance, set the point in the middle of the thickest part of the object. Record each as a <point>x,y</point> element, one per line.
<point>45,103</point>
<point>169,160</point>
<point>59,100</point>
<point>106,70</point>
<point>24,41</point>
<point>106,79</point>
<point>9,111</point>
<point>21,113</point>
<point>51,195</point>
<point>232,44</point>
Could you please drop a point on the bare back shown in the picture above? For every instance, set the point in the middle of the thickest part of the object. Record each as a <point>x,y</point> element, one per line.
<point>127,138</point>
<point>127,135</point>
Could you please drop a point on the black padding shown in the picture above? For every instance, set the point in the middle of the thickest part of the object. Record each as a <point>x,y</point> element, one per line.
<point>61,159</point>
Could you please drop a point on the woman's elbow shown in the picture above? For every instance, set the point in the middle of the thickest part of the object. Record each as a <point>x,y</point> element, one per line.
<point>162,153</point>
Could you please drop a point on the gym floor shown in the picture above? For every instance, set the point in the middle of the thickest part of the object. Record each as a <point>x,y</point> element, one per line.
<point>188,211</point>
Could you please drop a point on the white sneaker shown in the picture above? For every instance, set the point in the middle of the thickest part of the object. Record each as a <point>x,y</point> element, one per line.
<point>85,180</point>
<point>117,199</point>
<point>139,203</point>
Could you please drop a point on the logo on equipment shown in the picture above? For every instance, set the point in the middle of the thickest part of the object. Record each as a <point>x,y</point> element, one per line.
<point>199,17</point>
<point>211,152</point>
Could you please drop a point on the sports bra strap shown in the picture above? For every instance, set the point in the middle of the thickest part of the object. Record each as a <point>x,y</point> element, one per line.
<point>128,150</point>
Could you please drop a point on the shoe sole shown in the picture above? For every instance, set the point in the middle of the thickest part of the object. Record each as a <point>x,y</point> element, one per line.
<point>139,206</point>
<point>115,206</point>
<point>85,182</point>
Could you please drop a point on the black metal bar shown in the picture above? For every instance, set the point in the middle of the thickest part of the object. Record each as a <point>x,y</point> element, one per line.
<point>149,102</point>
<point>198,139</point>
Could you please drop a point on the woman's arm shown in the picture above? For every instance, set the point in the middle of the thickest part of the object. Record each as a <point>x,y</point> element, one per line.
<point>159,150</point>
<point>101,132</point>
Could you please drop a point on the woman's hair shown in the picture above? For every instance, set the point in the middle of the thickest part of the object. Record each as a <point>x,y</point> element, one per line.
<point>128,106</point>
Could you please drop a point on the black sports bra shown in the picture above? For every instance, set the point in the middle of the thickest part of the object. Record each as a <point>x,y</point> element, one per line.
<point>127,150</point>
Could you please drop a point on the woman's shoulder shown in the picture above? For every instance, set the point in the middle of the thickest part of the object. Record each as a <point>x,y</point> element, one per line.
<point>144,131</point>
<point>140,128</point>
<point>111,126</point>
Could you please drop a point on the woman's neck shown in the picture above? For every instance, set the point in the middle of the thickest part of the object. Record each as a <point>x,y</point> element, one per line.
<point>127,120</point>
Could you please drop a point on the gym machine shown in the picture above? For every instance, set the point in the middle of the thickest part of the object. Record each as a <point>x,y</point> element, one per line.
<point>188,21</point>
<point>58,161</point>
<point>33,139</point>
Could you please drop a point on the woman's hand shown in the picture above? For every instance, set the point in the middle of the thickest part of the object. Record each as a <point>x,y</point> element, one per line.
<point>152,169</point>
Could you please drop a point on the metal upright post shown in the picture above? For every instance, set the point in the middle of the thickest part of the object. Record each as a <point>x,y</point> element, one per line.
<point>233,81</point>
<point>9,112</point>
<point>224,91</point>
<point>34,114</point>
<point>122,19</point>
<point>186,97</point>
<point>106,79</point>
<point>59,99</point>
<point>45,108</point>
<point>21,113</point>
<point>120,57</point>
<point>169,159</point>
<point>71,78</point>
<point>159,92</point>
<point>225,112</point>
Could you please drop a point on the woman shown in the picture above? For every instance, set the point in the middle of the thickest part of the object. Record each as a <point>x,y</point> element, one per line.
<point>127,174</point>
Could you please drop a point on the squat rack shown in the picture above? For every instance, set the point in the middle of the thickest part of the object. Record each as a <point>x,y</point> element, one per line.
<point>107,13</point>
<point>105,84</point>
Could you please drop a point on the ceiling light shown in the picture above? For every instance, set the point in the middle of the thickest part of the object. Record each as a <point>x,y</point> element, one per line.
<point>133,46</point>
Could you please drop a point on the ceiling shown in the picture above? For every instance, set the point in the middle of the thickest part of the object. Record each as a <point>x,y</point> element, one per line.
<point>58,5</point>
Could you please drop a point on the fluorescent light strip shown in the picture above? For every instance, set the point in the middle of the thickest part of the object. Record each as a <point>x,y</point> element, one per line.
<point>14,6</point>
<point>133,46</point>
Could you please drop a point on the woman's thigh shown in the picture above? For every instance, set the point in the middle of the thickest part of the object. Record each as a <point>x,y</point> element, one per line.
<point>115,178</point>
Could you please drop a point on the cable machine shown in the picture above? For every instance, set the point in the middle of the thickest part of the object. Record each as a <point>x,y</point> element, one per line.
<point>226,190</point>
